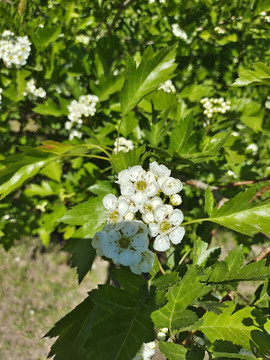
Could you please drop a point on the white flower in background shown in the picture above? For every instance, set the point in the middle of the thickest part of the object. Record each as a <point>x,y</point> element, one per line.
<point>220,30</point>
<point>168,87</point>
<point>74,133</point>
<point>117,207</point>
<point>162,334</point>
<point>84,39</point>
<point>232,173</point>
<point>215,105</point>
<point>14,50</point>
<point>86,106</point>
<point>122,144</point>
<point>32,91</point>
<point>178,32</point>
<point>123,242</point>
<point>252,148</point>
<point>264,16</point>
<point>146,352</point>
<point>166,227</point>
<point>137,184</point>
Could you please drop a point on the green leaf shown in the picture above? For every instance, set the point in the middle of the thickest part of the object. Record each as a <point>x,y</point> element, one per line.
<point>201,254</point>
<point>122,160</point>
<point>72,330</point>
<point>234,356</point>
<point>44,36</point>
<point>24,173</point>
<point>91,214</point>
<point>179,139</point>
<point>259,76</point>
<point>208,201</point>
<point>243,327</point>
<point>154,69</point>
<point>232,269</point>
<point>102,188</point>
<point>107,86</point>
<point>50,108</point>
<point>83,255</point>
<point>128,323</point>
<point>240,215</point>
<point>172,351</point>
<point>174,314</point>
<point>252,116</point>
<point>44,189</point>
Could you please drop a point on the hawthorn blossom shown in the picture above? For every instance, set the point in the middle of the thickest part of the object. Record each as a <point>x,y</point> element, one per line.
<point>122,144</point>
<point>137,184</point>
<point>117,208</point>
<point>123,242</point>
<point>166,227</point>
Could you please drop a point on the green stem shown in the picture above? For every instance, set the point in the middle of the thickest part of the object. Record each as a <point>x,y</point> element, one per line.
<point>194,221</point>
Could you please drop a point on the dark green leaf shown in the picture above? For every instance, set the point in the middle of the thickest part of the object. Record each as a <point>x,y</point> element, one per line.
<point>154,69</point>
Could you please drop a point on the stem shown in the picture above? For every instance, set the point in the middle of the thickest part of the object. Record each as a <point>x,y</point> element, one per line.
<point>160,266</point>
<point>194,221</point>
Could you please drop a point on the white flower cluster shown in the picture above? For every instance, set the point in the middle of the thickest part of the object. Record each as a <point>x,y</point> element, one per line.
<point>32,91</point>
<point>264,16</point>
<point>168,87</point>
<point>84,39</point>
<point>86,106</point>
<point>122,144</point>
<point>215,105</point>
<point>178,32</point>
<point>146,352</point>
<point>141,211</point>
<point>14,49</point>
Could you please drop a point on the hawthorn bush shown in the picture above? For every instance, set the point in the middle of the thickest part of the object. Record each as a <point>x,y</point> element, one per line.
<point>138,131</point>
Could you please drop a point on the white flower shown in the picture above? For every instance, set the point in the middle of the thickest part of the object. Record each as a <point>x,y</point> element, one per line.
<point>171,186</point>
<point>179,32</point>
<point>118,207</point>
<point>168,87</point>
<point>215,105</point>
<point>137,184</point>
<point>32,91</point>
<point>253,148</point>
<point>159,170</point>
<point>14,50</point>
<point>145,265</point>
<point>123,242</point>
<point>166,227</point>
<point>147,209</point>
<point>122,144</point>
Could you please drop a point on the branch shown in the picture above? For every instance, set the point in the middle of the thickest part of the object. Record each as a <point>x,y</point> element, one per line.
<point>118,14</point>
<point>261,255</point>
<point>260,192</point>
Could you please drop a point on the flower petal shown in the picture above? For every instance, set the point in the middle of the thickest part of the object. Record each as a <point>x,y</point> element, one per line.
<point>177,234</point>
<point>161,243</point>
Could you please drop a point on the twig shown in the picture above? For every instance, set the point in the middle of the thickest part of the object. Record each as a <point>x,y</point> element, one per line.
<point>118,14</point>
<point>247,182</point>
<point>260,192</point>
<point>261,255</point>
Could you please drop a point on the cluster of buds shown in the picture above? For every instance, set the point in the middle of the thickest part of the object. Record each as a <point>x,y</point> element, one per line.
<point>122,144</point>
<point>86,106</point>
<point>215,105</point>
<point>32,91</point>
<point>145,210</point>
<point>14,50</point>
<point>264,16</point>
<point>168,87</point>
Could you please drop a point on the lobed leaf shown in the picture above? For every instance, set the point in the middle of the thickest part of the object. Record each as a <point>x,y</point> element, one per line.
<point>153,70</point>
